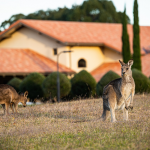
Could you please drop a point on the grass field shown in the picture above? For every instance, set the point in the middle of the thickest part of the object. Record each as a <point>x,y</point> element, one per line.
<point>75,125</point>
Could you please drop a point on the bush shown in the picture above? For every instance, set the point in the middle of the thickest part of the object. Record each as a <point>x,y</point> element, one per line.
<point>33,84</point>
<point>109,76</point>
<point>142,83</point>
<point>15,83</point>
<point>83,84</point>
<point>50,85</point>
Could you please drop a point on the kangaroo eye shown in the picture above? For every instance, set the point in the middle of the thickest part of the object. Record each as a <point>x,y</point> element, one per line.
<point>127,68</point>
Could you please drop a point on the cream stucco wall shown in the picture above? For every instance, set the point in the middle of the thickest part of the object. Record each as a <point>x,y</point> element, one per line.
<point>27,38</point>
<point>92,55</point>
<point>111,55</point>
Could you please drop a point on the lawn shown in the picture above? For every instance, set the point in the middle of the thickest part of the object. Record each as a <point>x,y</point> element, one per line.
<point>75,125</point>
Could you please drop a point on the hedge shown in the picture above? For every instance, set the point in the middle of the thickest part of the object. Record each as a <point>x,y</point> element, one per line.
<point>109,76</point>
<point>33,84</point>
<point>15,83</point>
<point>142,83</point>
<point>83,85</point>
<point>49,85</point>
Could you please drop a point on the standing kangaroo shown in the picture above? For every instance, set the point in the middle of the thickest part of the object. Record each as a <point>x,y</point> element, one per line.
<point>9,97</point>
<point>118,94</point>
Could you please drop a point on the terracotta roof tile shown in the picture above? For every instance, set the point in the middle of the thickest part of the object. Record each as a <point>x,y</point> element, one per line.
<point>105,67</point>
<point>115,66</point>
<point>84,32</point>
<point>27,61</point>
<point>146,65</point>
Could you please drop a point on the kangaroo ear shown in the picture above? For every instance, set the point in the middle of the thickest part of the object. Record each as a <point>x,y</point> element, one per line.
<point>130,62</point>
<point>122,63</point>
<point>26,94</point>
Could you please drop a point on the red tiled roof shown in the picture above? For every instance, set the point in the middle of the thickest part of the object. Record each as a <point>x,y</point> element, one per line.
<point>105,67</point>
<point>115,66</point>
<point>146,64</point>
<point>27,61</point>
<point>108,34</point>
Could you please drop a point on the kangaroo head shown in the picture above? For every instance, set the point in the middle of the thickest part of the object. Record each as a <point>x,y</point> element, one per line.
<point>23,98</point>
<point>126,68</point>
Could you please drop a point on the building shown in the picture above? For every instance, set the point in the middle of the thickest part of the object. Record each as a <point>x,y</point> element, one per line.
<point>96,46</point>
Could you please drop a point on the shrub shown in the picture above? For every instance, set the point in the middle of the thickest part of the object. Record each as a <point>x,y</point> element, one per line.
<point>50,85</point>
<point>83,84</point>
<point>15,83</point>
<point>33,84</point>
<point>142,83</point>
<point>109,76</point>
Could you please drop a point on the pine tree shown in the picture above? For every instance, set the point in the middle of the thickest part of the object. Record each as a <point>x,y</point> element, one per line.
<point>126,54</point>
<point>136,39</point>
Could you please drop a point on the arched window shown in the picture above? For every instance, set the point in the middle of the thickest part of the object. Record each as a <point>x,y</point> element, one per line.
<point>81,63</point>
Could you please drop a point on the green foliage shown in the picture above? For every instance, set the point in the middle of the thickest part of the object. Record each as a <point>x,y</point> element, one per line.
<point>33,84</point>
<point>89,11</point>
<point>136,39</point>
<point>5,24</point>
<point>50,85</point>
<point>121,16</point>
<point>15,83</point>
<point>125,40</point>
<point>83,84</point>
<point>109,76</point>
<point>142,83</point>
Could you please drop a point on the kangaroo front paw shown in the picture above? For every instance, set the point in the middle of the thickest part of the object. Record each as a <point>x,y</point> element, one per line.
<point>131,107</point>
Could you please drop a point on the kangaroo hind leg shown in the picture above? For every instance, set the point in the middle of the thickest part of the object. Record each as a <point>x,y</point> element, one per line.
<point>112,103</point>
<point>3,105</point>
<point>106,113</point>
<point>125,114</point>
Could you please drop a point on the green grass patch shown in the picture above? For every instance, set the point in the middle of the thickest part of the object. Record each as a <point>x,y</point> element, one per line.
<point>78,127</point>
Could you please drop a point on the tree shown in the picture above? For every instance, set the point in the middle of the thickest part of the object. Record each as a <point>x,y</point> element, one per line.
<point>5,24</point>
<point>136,39</point>
<point>125,40</point>
<point>89,11</point>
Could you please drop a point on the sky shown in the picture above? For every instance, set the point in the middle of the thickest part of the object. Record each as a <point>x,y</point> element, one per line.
<point>11,7</point>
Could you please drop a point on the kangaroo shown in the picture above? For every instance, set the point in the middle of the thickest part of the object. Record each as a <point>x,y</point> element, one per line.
<point>119,93</point>
<point>9,97</point>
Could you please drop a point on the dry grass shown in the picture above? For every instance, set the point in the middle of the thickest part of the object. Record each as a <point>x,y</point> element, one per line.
<point>75,125</point>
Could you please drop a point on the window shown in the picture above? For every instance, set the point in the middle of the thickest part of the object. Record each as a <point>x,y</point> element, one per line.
<point>55,51</point>
<point>81,63</point>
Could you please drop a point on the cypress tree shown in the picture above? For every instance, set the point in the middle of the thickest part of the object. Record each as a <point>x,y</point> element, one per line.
<point>136,38</point>
<point>126,54</point>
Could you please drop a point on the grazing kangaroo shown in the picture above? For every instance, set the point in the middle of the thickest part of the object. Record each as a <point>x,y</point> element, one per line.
<point>118,94</point>
<point>9,97</point>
